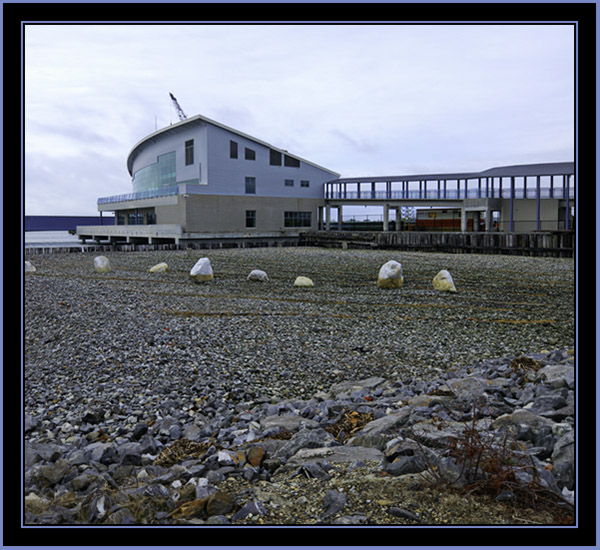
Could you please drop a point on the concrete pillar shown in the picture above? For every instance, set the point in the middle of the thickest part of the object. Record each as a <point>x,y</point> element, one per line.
<point>398,218</point>
<point>463,220</point>
<point>386,217</point>
<point>488,219</point>
<point>327,218</point>
<point>340,214</point>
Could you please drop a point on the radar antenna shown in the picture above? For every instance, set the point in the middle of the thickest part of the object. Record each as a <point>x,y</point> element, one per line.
<point>180,113</point>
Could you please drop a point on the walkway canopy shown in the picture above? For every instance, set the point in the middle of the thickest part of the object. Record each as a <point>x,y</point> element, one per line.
<point>525,181</point>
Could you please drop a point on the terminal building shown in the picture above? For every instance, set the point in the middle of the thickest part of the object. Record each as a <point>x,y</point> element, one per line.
<point>199,179</point>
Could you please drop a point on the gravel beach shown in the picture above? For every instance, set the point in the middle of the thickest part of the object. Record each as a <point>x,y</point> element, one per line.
<point>123,366</point>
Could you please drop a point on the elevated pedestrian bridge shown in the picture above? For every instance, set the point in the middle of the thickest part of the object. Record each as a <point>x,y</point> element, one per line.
<point>491,190</point>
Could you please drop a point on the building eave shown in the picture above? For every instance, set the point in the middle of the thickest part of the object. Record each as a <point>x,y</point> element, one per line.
<point>174,128</point>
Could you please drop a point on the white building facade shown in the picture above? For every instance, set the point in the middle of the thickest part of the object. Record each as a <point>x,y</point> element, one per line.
<point>199,178</point>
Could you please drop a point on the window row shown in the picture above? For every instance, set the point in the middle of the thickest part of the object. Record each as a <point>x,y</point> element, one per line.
<point>303,183</point>
<point>250,184</point>
<point>249,154</point>
<point>290,219</point>
<point>276,158</point>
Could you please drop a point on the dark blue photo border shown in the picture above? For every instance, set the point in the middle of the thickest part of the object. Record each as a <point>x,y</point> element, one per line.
<point>15,15</point>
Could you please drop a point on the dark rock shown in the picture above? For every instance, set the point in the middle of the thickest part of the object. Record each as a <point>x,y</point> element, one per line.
<point>131,454</point>
<point>402,513</point>
<point>355,519</point>
<point>139,430</point>
<point>406,465</point>
<point>311,470</point>
<point>305,439</point>
<point>253,507</point>
<point>54,473</point>
<point>563,460</point>
<point>92,416</point>
<point>219,503</point>
<point>333,503</point>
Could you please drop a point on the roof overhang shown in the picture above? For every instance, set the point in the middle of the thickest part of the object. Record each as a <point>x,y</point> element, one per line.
<point>202,120</point>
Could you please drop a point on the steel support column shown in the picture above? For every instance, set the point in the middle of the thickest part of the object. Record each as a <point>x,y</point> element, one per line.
<point>537,194</point>
<point>567,202</point>
<point>512,203</point>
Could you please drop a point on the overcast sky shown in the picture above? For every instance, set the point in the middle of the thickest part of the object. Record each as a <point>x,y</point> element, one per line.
<point>360,100</point>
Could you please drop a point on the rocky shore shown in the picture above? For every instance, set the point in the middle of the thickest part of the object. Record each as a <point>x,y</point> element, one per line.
<point>150,399</point>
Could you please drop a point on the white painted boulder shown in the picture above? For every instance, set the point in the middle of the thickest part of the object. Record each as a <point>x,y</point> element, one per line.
<point>159,268</point>
<point>303,282</point>
<point>258,275</point>
<point>29,267</point>
<point>101,264</point>
<point>202,271</point>
<point>390,275</point>
<point>443,281</point>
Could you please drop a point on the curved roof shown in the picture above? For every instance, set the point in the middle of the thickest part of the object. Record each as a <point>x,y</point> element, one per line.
<point>199,120</point>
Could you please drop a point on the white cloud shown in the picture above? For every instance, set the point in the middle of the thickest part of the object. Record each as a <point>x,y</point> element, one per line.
<point>357,99</point>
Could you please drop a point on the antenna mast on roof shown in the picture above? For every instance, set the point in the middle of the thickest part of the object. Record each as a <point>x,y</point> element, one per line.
<point>180,113</point>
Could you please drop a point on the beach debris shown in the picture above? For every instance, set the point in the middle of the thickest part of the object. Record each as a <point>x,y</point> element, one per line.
<point>443,281</point>
<point>202,271</point>
<point>303,282</point>
<point>101,264</point>
<point>390,275</point>
<point>258,275</point>
<point>159,268</point>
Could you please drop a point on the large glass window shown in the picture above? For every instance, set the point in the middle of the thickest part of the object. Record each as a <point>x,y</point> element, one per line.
<point>154,176</point>
<point>189,152</point>
<point>249,154</point>
<point>250,218</point>
<point>233,150</point>
<point>297,219</point>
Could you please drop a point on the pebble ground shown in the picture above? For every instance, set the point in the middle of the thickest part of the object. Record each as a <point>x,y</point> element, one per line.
<point>132,339</point>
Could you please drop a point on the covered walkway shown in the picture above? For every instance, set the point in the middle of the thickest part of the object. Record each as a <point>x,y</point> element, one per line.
<point>483,192</point>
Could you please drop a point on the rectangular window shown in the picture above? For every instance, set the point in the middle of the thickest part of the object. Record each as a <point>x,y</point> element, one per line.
<point>189,152</point>
<point>249,154</point>
<point>250,185</point>
<point>134,218</point>
<point>250,218</point>
<point>297,219</point>
<point>289,183</point>
<point>304,183</point>
<point>151,218</point>
<point>274,157</point>
<point>233,150</point>
<point>289,161</point>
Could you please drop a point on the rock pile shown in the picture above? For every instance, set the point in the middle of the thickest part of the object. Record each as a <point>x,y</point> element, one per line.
<point>96,465</point>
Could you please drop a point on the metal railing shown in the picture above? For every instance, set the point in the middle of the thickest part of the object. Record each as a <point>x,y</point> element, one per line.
<point>450,194</point>
<point>149,194</point>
